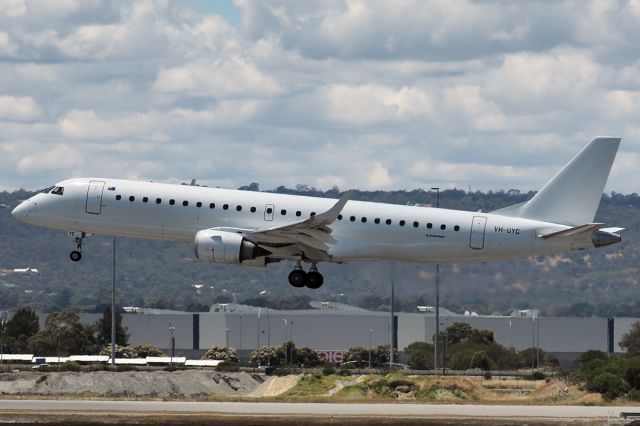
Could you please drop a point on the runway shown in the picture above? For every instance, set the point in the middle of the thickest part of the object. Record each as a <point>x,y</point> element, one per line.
<point>344,413</point>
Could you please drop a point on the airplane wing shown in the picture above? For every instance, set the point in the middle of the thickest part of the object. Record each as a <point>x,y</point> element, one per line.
<point>309,237</point>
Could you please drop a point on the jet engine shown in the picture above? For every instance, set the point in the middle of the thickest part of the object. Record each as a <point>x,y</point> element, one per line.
<point>226,247</point>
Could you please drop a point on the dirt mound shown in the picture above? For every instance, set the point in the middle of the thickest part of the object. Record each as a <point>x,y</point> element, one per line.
<point>189,383</point>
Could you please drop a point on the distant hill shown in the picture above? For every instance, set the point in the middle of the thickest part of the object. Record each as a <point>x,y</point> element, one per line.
<point>163,274</point>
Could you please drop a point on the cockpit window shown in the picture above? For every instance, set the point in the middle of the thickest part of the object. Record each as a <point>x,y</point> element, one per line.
<point>58,190</point>
<point>47,190</point>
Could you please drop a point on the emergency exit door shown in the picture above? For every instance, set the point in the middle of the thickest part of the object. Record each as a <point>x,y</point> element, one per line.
<point>268,212</point>
<point>94,197</point>
<point>477,232</point>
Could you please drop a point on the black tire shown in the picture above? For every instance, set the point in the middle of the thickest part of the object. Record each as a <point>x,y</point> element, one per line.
<point>314,280</point>
<point>298,278</point>
<point>75,256</point>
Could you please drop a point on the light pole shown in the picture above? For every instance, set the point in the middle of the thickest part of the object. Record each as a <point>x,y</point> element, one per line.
<point>268,339</point>
<point>172,342</point>
<point>240,335</point>
<point>113,307</point>
<point>286,345</point>
<point>226,338</point>
<point>3,321</point>
<point>370,331</point>
<point>392,326</point>
<point>291,345</point>
<point>258,336</point>
<point>435,346</point>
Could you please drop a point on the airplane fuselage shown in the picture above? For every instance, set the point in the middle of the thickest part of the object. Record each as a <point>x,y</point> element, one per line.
<point>362,231</point>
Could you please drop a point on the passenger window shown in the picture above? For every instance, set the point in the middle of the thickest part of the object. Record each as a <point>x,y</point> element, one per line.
<point>283,212</point>
<point>172,201</point>
<point>145,199</point>
<point>388,221</point>
<point>443,227</point>
<point>225,207</point>
<point>132,198</point>
<point>212,205</point>
<point>199,204</point>
<point>352,218</point>
<point>456,228</point>
<point>429,225</point>
<point>158,200</point>
<point>363,220</point>
<point>339,216</point>
<point>252,209</point>
<point>376,220</point>
<point>269,210</point>
<point>238,208</point>
<point>185,203</point>
<point>299,213</point>
<point>402,222</point>
<point>416,224</point>
<point>118,197</point>
<point>312,214</point>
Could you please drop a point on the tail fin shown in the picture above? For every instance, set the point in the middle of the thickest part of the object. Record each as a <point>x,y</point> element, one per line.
<point>572,196</point>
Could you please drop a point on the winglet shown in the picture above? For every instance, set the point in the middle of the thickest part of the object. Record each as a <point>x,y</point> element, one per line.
<point>331,215</point>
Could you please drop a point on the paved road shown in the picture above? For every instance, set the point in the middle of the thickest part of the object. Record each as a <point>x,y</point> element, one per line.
<point>318,409</point>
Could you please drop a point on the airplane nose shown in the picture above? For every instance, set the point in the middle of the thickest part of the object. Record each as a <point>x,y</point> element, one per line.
<point>21,211</point>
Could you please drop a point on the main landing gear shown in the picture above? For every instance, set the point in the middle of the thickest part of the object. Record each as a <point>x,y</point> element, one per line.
<point>78,238</point>
<point>312,279</point>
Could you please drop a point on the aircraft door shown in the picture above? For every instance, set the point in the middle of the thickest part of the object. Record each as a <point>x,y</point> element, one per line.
<point>94,197</point>
<point>268,212</point>
<point>477,232</point>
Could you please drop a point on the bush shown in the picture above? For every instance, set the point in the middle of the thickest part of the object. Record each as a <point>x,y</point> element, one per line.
<point>591,355</point>
<point>609,385</point>
<point>420,355</point>
<point>218,353</point>
<point>69,366</point>
<point>307,357</point>
<point>228,367</point>
<point>480,360</point>
<point>144,350</point>
<point>634,395</point>
<point>344,372</point>
<point>267,355</point>
<point>327,371</point>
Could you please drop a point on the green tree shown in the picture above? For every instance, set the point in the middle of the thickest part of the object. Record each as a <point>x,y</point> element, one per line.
<point>103,329</point>
<point>63,335</point>
<point>630,341</point>
<point>480,360</point>
<point>19,329</point>
<point>220,353</point>
<point>420,355</point>
<point>590,355</point>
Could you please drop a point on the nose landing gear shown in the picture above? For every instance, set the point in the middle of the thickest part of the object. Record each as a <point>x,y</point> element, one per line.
<point>78,238</point>
<point>299,278</point>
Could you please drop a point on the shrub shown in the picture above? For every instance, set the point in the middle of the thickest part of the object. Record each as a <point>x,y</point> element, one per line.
<point>634,395</point>
<point>327,371</point>
<point>591,355</point>
<point>219,353</point>
<point>144,350</point>
<point>420,355</point>
<point>609,385</point>
<point>228,367</point>
<point>307,357</point>
<point>69,366</point>
<point>480,360</point>
<point>267,355</point>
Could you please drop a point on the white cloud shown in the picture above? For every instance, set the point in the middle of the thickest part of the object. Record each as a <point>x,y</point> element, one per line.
<point>59,157</point>
<point>18,108</point>
<point>371,104</point>
<point>235,76</point>
<point>368,94</point>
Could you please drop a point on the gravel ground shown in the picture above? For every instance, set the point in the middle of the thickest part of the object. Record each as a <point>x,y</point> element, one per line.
<point>176,384</point>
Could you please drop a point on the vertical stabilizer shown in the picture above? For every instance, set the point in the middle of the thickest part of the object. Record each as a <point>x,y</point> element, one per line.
<point>572,196</point>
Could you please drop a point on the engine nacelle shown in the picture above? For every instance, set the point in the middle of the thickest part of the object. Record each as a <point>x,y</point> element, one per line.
<point>226,247</point>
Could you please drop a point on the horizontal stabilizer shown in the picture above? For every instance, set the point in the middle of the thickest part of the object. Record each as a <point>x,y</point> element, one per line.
<point>573,232</point>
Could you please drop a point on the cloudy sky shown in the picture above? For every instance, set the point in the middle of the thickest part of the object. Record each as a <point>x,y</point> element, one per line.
<point>373,94</point>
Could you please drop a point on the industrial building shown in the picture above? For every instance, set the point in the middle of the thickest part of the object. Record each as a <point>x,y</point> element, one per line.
<point>332,330</point>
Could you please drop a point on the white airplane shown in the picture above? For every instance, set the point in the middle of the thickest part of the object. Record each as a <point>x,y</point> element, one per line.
<point>257,228</point>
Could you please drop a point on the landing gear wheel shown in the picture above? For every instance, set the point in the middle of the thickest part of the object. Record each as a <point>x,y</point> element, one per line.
<point>314,279</point>
<point>298,278</point>
<point>75,256</point>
